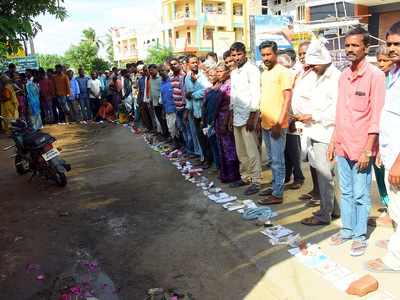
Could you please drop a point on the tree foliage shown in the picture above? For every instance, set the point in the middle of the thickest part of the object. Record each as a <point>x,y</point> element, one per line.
<point>81,55</point>
<point>157,54</point>
<point>90,37</point>
<point>99,64</point>
<point>48,61</point>
<point>17,20</point>
<point>85,54</point>
<point>109,47</point>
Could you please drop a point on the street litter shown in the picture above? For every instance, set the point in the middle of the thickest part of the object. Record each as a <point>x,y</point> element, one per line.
<point>232,206</point>
<point>260,213</point>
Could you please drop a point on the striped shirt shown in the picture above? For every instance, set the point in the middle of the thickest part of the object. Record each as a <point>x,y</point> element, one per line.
<point>177,91</point>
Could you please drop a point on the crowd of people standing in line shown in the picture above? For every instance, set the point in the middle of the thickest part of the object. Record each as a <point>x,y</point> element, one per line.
<point>218,113</point>
<point>56,96</point>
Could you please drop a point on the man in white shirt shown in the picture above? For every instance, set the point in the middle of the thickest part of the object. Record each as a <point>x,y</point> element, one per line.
<point>94,90</point>
<point>301,104</point>
<point>389,147</point>
<point>319,125</point>
<point>245,101</point>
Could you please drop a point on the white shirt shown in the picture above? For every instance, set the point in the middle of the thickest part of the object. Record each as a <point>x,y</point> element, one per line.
<point>389,140</point>
<point>245,92</point>
<point>94,87</point>
<point>301,98</point>
<point>323,106</point>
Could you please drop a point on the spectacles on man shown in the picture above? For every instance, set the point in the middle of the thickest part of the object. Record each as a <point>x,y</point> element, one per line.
<point>390,44</point>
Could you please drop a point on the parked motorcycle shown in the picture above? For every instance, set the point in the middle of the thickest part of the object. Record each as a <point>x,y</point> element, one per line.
<point>35,153</point>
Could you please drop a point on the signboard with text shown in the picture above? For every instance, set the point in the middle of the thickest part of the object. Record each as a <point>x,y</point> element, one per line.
<point>22,63</point>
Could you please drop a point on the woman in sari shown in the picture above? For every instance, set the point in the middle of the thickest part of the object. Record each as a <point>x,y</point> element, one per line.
<point>8,102</point>
<point>229,162</point>
<point>32,93</point>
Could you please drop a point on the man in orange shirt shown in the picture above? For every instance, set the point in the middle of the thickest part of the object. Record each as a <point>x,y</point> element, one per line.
<point>276,95</point>
<point>62,91</point>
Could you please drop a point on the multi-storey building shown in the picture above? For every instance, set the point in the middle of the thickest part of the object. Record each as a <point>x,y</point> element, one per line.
<point>377,14</point>
<point>125,44</point>
<point>200,26</point>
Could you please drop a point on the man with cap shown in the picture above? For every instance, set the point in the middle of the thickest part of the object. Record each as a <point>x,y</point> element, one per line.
<point>319,125</point>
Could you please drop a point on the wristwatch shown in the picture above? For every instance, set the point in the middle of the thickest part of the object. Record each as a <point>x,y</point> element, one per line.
<point>368,153</point>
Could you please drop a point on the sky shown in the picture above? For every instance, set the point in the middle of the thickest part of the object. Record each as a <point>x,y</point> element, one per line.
<point>56,36</point>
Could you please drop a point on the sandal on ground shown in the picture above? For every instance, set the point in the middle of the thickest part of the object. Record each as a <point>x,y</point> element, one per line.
<point>378,266</point>
<point>266,192</point>
<point>313,221</point>
<point>358,248</point>
<point>337,239</point>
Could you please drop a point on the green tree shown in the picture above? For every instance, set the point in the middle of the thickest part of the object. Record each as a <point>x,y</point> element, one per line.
<point>48,61</point>
<point>157,54</point>
<point>110,47</point>
<point>17,20</point>
<point>81,55</point>
<point>89,36</point>
<point>99,64</point>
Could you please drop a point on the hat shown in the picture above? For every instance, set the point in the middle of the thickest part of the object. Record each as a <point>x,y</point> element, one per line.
<point>317,54</point>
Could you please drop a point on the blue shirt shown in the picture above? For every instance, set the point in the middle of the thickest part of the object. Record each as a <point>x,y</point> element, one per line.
<point>83,86</point>
<point>74,86</point>
<point>197,89</point>
<point>167,98</point>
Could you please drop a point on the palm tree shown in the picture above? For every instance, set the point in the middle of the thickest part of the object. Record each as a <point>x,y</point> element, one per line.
<point>109,47</point>
<point>89,35</point>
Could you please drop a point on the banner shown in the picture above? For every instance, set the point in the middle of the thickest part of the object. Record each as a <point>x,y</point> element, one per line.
<point>22,63</point>
<point>272,28</point>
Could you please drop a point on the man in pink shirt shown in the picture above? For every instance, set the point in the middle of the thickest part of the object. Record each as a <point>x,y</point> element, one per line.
<point>355,139</point>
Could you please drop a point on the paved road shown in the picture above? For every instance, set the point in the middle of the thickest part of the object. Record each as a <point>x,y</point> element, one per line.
<point>131,212</point>
<point>127,208</point>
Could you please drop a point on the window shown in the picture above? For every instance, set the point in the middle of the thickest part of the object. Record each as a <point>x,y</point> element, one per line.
<point>208,33</point>
<point>221,29</point>
<point>237,10</point>
<point>288,1</point>
<point>170,33</point>
<point>177,35</point>
<point>188,37</point>
<point>301,12</point>
<point>264,11</point>
<point>277,2</point>
<point>187,10</point>
<point>209,8</point>
<point>278,13</point>
<point>221,8</point>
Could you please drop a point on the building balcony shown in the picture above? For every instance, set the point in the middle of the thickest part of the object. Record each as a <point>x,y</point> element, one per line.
<point>216,19</point>
<point>183,19</point>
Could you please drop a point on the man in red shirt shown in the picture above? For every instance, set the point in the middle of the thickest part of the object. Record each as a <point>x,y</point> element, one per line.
<point>355,139</point>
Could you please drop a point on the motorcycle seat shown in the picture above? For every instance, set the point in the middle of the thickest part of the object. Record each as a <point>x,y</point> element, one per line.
<point>36,140</point>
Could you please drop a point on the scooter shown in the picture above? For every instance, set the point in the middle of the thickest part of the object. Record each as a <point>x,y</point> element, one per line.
<point>35,153</point>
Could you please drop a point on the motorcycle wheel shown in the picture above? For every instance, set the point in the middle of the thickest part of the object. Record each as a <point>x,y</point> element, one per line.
<point>21,165</point>
<point>61,179</point>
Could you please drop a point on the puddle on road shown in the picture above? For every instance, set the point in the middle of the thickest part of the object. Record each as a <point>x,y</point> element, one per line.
<point>84,280</point>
